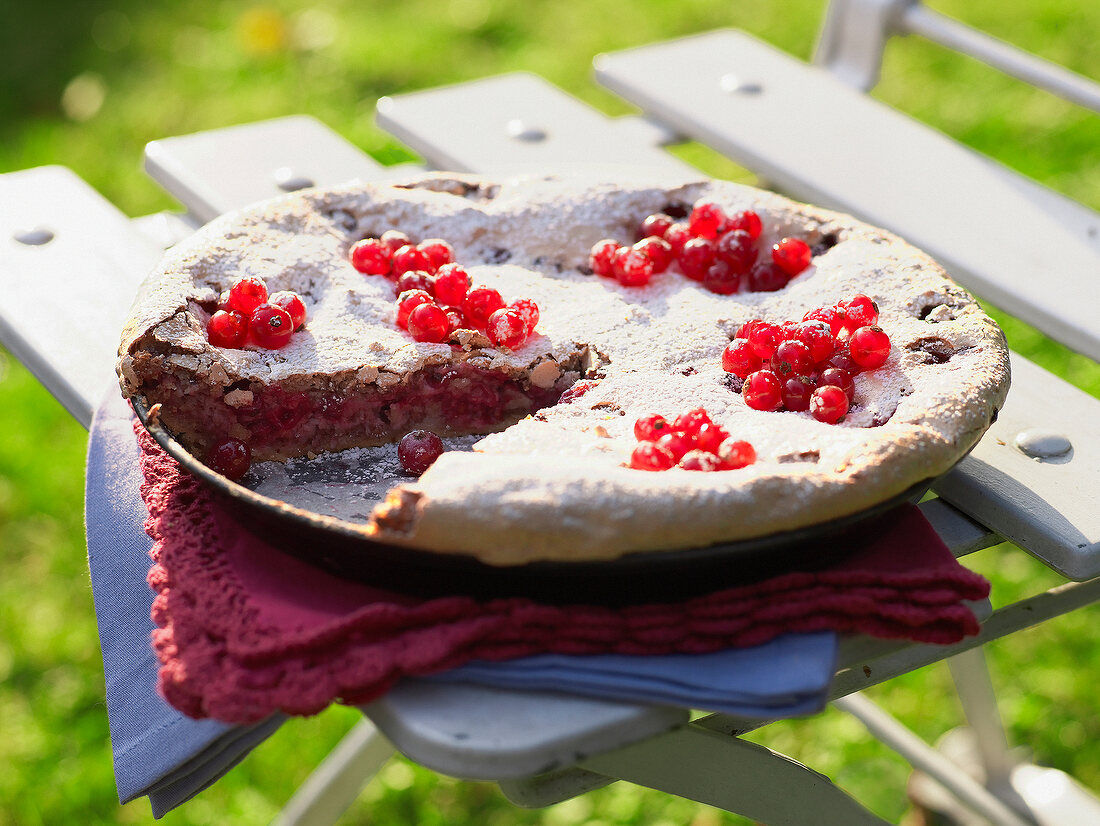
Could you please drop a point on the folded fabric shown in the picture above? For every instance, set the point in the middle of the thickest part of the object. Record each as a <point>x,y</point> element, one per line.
<point>245,631</point>
<point>784,677</point>
<point>157,750</point>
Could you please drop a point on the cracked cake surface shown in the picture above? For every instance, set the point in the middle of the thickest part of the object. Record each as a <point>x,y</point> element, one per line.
<point>554,484</point>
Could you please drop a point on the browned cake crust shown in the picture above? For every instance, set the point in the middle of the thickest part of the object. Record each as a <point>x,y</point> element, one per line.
<point>555,485</point>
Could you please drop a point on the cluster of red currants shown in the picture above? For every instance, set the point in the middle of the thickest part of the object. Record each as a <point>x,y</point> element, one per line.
<point>246,314</point>
<point>808,364</point>
<point>434,296</point>
<point>691,441</point>
<point>718,250</point>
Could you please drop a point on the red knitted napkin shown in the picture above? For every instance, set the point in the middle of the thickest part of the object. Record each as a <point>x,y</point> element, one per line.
<point>244,630</point>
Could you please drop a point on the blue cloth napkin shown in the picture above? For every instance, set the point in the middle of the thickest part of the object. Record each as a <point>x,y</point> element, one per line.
<point>785,677</point>
<point>160,753</point>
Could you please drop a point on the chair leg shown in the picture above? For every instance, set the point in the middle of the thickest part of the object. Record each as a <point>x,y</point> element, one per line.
<point>332,788</point>
<point>734,775</point>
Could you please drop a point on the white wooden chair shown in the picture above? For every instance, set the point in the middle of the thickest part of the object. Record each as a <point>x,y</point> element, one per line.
<point>544,748</point>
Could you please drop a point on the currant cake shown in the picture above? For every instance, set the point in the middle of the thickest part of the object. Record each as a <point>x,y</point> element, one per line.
<point>809,365</point>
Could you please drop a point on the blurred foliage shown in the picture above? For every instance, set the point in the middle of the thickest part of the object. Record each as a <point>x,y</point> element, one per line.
<point>88,84</point>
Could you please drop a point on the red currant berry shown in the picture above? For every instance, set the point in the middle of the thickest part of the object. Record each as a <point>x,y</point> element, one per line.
<point>438,251</point>
<point>405,303</point>
<point>657,250</point>
<point>227,328</point>
<point>601,257</point>
<point>792,358</point>
<point>706,220</point>
<point>418,450</point>
<point>651,428</point>
<point>792,255</point>
<point>655,224</point>
<point>764,337</point>
<point>721,278</point>
<point>838,378</point>
<point>739,358</point>
<point>818,337</point>
<point>230,457</point>
<point>842,359</point>
<point>696,257</point>
<point>452,283</point>
<point>370,256</point>
<point>859,311</point>
<point>506,328</point>
<point>738,249</point>
<point>651,456</point>
<point>455,319</point>
<point>689,422</point>
<point>633,268</point>
<point>415,280</point>
<point>479,304</point>
<point>766,277</point>
<point>409,258</point>
<point>677,444</point>
<point>828,404</point>
<point>394,240</point>
<point>830,315</point>
<point>528,310</point>
<point>710,437</point>
<point>677,235</point>
<point>427,322</point>
<point>247,294</point>
<point>736,453</point>
<point>797,391</point>
<point>270,326</point>
<point>749,221</point>
<point>292,303</point>
<point>745,330</point>
<point>763,391</point>
<point>700,460</point>
<point>869,347</point>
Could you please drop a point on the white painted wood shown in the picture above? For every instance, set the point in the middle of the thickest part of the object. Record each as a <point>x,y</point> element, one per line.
<point>735,775</point>
<point>1048,507</point>
<point>224,169</point>
<point>518,123</point>
<point>480,733</point>
<point>333,786</point>
<point>65,299</point>
<point>822,141</point>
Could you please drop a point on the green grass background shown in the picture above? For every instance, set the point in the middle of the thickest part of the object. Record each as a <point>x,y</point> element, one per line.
<point>87,84</point>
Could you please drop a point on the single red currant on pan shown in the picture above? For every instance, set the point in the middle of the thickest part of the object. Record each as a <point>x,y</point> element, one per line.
<point>370,256</point>
<point>828,404</point>
<point>270,326</point>
<point>247,294</point>
<point>417,450</point>
<point>292,303</point>
<point>506,328</point>
<point>429,323</point>
<point>651,456</point>
<point>230,457</point>
<point>227,328</point>
<point>792,255</point>
<point>869,347</point>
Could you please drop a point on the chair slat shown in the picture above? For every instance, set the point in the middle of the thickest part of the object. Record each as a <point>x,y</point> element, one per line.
<point>822,141</point>
<point>66,299</point>
<point>224,169</point>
